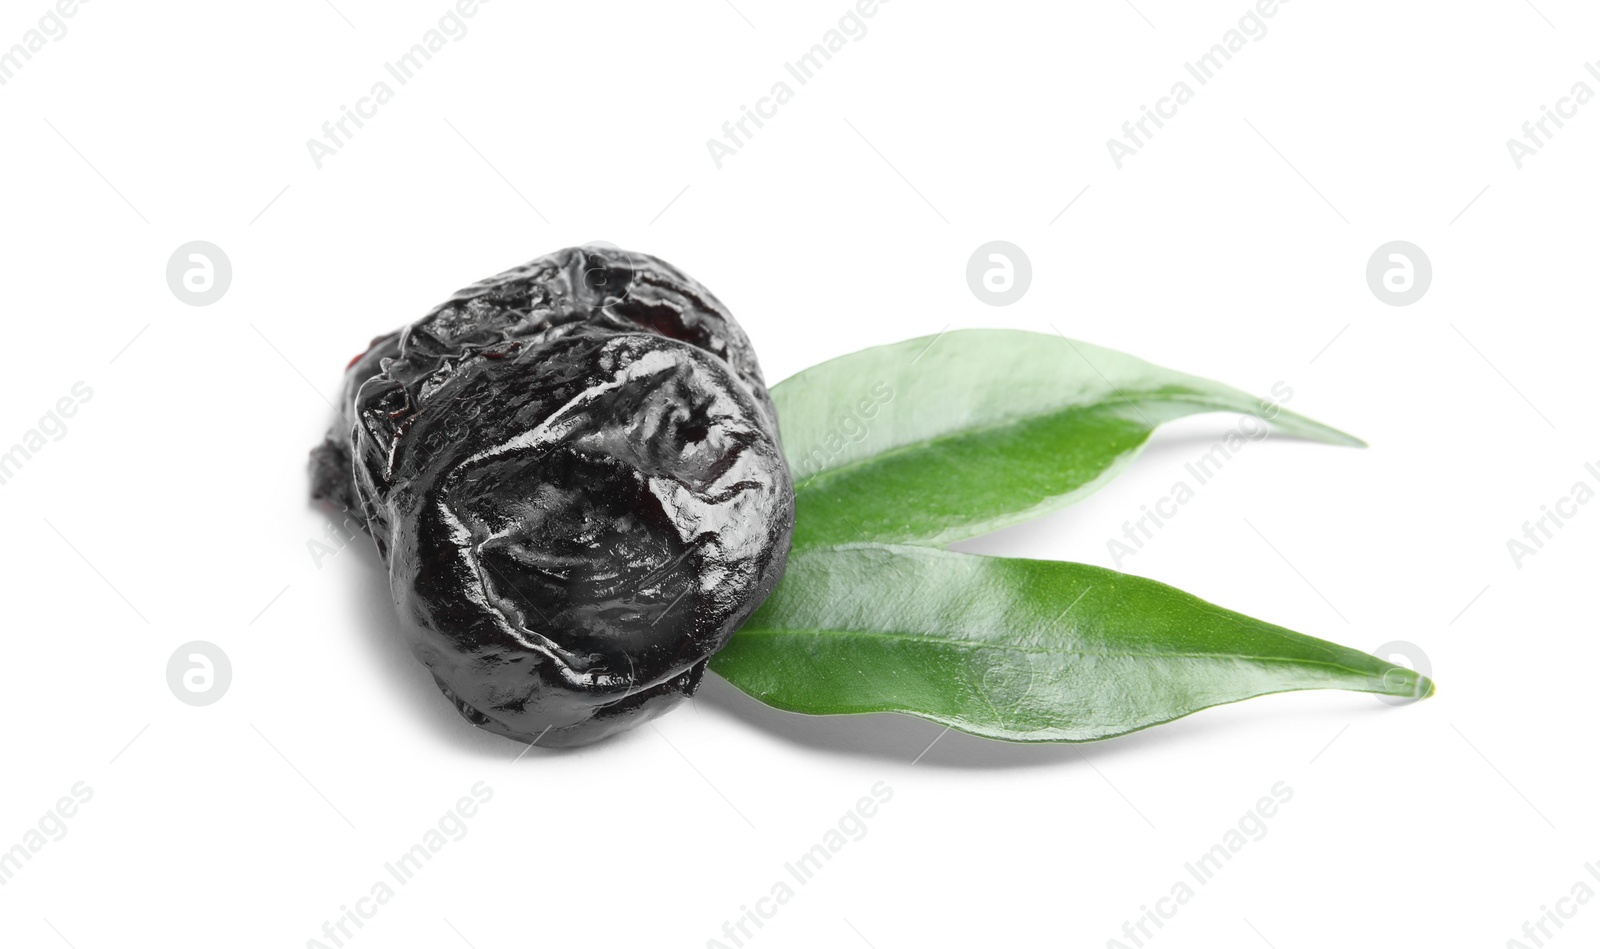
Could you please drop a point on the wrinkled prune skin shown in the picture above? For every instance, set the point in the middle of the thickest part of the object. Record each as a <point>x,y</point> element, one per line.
<point>573,473</point>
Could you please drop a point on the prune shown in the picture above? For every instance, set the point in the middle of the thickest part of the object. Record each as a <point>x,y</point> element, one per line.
<point>574,475</point>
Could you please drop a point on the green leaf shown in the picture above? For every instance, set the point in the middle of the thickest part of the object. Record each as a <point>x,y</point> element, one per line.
<point>942,438</point>
<point>1023,650</point>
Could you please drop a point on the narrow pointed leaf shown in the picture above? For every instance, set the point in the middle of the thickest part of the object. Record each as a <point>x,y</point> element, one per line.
<point>947,437</point>
<point>1023,650</point>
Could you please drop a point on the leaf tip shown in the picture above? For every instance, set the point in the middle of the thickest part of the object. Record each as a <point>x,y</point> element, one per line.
<point>1404,683</point>
<point>1334,436</point>
<point>1303,426</point>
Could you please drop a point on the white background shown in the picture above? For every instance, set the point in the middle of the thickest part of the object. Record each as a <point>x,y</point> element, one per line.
<point>1233,246</point>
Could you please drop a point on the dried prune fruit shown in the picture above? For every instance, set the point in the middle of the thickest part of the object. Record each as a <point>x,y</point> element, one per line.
<point>573,473</point>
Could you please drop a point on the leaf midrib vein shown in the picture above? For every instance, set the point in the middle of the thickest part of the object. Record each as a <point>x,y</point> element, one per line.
<point>966,644</point>
<point>828,474</point>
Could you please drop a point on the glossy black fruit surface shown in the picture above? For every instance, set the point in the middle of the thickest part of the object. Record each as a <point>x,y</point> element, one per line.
<point>573,473</point>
